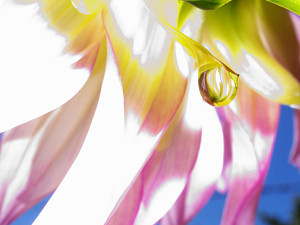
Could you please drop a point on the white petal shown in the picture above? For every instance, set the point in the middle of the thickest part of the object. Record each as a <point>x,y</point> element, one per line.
<point>105,166</point>
<point>35,75</point>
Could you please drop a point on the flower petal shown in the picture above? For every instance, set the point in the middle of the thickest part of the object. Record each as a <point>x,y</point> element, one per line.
<point>36,76</point>
<point>253,130</point>
<point>295,154</point>
<point>166,10</point>
<point>232,32</point>
<point>202,181</point>
<point>108,162</point>
<point>164,175</point>
<point>148,64</point>
<point>38,154</point>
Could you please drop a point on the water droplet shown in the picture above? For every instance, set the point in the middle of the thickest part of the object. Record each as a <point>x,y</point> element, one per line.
<point>218,86</point>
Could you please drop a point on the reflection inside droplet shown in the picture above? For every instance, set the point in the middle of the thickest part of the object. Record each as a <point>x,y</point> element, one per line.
<point>218,86</point>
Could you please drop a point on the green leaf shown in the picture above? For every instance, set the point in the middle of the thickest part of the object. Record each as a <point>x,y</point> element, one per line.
<point>291,5</point>
<point>207,4</point>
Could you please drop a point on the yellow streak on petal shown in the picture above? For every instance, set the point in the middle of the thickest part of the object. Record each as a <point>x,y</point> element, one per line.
<point>142,70</point>
<point>83,31</point>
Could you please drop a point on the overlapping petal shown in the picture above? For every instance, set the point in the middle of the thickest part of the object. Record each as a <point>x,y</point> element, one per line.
<point>148,64</point>
<point>106,165</point>
<point>36,156</point>
<point>164,175</point>
<point>207,170</point>
<point>253,128</point>
<point>36,75</point>
<point>231,32</point>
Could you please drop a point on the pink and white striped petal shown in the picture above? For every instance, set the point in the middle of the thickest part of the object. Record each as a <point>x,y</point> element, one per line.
<point>253,130</point>
<point>208,167</point>
<point>167,170</point>
<point>107,164</point>
<point>37,155</point>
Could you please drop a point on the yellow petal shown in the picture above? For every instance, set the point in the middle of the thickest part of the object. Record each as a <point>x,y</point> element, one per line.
<point>83,31</point>
<point>153,82</point>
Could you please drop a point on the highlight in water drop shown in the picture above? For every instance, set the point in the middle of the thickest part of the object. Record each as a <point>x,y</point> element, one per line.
<point>218,86</point>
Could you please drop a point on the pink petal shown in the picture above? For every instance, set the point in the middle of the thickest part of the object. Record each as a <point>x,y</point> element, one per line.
<point>295,154</point>
<point>107,164</point>
<point>203,179</point>
<point>253,129</point>
<point>163,176</point>
<point>38,154</point>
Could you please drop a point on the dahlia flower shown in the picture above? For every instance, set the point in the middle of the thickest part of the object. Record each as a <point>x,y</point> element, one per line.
<point>158,103</point>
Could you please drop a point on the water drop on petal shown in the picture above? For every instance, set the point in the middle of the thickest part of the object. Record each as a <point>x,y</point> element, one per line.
<point>218,86</point>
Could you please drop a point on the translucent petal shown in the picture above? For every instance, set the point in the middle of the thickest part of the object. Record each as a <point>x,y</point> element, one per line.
<point>38,154</point>
<point>167,10</point>
<point>148,64</point>
<point>36,76</point>
<point>250,43</point>
<point>202,181</point>
<point>253,130</point>
<point>107,164</point>
<point>165,173</point>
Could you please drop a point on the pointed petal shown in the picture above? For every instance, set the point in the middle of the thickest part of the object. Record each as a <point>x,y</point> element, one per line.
<point>165,173</point>
<point>267,61</point>
<point>147,60</point>
<point>36,76</point>
<point>38,154</point>
<point>253,129</point>
<point>202,181</point>
<point>295,154</point>
<point>108,162</point>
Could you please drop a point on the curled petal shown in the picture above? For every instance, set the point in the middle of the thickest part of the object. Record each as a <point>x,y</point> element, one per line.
<point>253,130</point>
<point>38,154</point>
<point>266,62</point>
